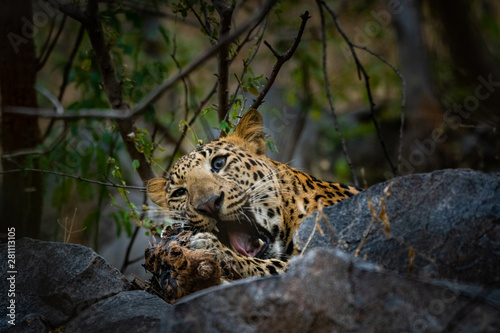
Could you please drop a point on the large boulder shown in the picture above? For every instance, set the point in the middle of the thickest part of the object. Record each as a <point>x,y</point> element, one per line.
<point>54,282</point>
<point>330,291</point>
<point>444,224</point>
<point>130,311</point>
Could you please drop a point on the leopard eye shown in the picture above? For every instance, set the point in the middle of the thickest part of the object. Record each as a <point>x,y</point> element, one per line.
<point>179,192</point>
<point>218,163</point>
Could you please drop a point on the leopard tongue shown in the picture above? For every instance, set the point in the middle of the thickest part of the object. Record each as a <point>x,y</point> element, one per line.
<point>242,243</point>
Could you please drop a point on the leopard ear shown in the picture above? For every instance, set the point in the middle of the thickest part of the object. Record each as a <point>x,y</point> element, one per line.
<point>156,191</point>
<point>250,132</point>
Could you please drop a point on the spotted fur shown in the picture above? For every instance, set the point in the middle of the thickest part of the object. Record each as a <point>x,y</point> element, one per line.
<point>245,206</point>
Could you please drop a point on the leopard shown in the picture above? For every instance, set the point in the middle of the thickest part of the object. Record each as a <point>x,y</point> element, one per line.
<point>243,206</point>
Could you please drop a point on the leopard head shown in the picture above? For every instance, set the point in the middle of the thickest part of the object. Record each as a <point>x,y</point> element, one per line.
<point>230,188</point>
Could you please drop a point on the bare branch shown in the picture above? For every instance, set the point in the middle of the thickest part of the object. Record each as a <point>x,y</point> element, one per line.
<point>281,59</point>
<point>77,115</point>
<point>150,11</point>
<point>66,72</point>
<point>183,135</point>
<point>362,71</point>
<point>330,101</point>
<point>44,57</point>
<point>72,56</point>
<point>49,36</point>
<point>126,261</point>
<point>112,86</point>
<point>74,177</point>
<point>206,26</point>
<point>194,64</point>
<point>403,98</point>
<point>247,62</point>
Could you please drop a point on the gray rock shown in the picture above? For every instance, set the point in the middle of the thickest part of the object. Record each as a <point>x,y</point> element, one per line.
<point>54,282</point>
<point>328,290</point>
<point>129,311</point>
<point>450,219</point>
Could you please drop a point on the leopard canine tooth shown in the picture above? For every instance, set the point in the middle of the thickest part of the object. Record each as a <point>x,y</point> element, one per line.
<point>216,229</point>
<point>261,243</point>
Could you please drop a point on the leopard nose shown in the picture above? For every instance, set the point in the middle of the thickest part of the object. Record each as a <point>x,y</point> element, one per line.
<point>212,206</point>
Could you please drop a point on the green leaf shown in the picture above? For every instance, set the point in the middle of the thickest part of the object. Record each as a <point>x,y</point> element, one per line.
<point>271,145</point>
<point>86,64</point>
<point>118,223</point>
<point>164,33</point>
<point>127,224</point>
<point>253,91</point>
<point>135,164</point>
<point>224,126</point>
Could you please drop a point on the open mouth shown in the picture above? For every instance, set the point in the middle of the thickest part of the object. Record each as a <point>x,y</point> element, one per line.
<point>245,237</point>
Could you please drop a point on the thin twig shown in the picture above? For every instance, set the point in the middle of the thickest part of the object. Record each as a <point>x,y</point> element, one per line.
<point>140,188</point>
<point>66,72</point>
<point>196,114</point>
<point>403,99</point>
<point>47,42</point>
<point>140,107</point>
<point>126,262</point>
<point>330,101</point>
<point>69,64</point>
<point>46,56</point>
<point>184,80</point>
<point>206,26</point>
<point>361,71</point>
<point>280,60</point>
<point>248,61</point>
<point>154,12</point>
<point>73,115</point>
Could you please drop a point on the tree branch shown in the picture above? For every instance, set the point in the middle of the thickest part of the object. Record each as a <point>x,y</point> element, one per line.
<point>44,57</point>
<point>77,115</point>
<point>198,61</point>
<point>142,106</point>
<point>47,42</point>
<point>281,59</point>
<point>183,135</point>
<point>112,86</point>
<point>247,62</point>
<point>403,99</point>
<point>362,71</point>
<point>329,97</point>
<point>74,177</point>
<point>66,72</point>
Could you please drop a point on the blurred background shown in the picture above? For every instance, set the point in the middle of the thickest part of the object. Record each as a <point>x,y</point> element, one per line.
<point>432,64</point>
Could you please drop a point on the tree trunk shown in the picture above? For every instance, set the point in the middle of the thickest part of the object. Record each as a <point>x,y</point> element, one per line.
<point>21,196</point>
